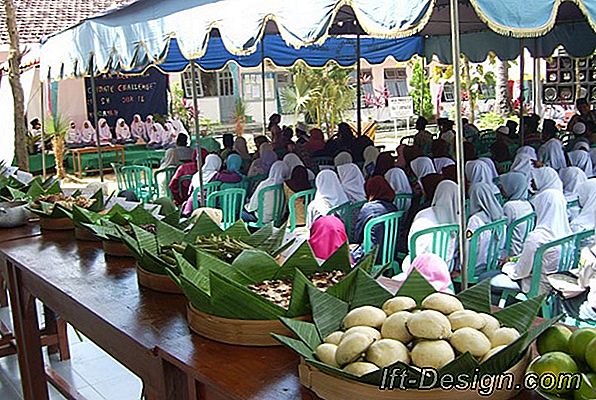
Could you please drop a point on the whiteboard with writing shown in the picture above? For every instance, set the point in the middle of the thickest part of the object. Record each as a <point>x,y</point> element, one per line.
<point>401,107</point>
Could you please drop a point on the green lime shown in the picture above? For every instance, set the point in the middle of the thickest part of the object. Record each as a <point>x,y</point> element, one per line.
<point>578,341</point>
<point>590,355</point>
<point>549,367</point>
<point>587,391</point>
<point>555,338</point>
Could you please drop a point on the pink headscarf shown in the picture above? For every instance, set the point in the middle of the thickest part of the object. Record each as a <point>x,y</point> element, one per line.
<point>433,268</point>
<point>327,235</point>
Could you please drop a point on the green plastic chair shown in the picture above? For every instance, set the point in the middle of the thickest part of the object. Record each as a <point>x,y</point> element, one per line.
<point>307,196</point>
<point>390,232</point>
<point>168,174</point>
<point>441,236</point>
<point>139,180</point>
<point>278,208</point>
<point>150,162</point>
<point>230,201</point>
<point>252,182</point>
<point>403,201</point>
<point>208,188</point>
<point>348,212</point>
<point>529,221</point>
<point>318,161</point>
<point>504,167</point>
<point>119,177</point>
<point>183,178</point>
<point>573,203</point>
<point>498,233</point>
<point>568,259</point>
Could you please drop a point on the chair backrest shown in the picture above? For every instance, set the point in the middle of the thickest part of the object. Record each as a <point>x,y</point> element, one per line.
<point>390,232</point>
<point>307,196</point>
<point>403,201</point>
<point>139,180</point>
<point>208,188</point>
<point>504,166</point>
<point>119,177</point>
<point>277,207</point>
<point>500,198</point>
<point>231,202</point>
<point>441,236</point>
<point>529,222</point>
<point>183,178</point>
<point>252,182</point>
<point>347,212</point>
<point>568,259</point>
<point>168,174</point>
<point>573,203</point>
<point>498,233</point>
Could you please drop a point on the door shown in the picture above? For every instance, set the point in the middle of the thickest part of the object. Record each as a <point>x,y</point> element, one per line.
<point>227,100</point>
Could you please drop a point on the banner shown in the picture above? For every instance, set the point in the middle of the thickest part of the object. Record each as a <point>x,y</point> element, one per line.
<point>122,96</point>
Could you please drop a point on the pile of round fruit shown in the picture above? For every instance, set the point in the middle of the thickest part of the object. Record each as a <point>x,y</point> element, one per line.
<point>428,336</point>
<point>564,352</point>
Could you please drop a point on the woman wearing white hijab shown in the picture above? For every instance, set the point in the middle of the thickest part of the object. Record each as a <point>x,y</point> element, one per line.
<point>523,163</point>
<point>484,209</point>
<point>477,171</point>
<point>105,135</point>
<point>178,125</point>
<point>572,177</point>
<point>123,134</point>
<point>211,167</point>
<point>342,158</point>
<point>586,219</point>
<point>527,150</point>
<point>156,135</point>
<point>73,136</point>
<point>422,166</point>
<point>352,182</point>
<point>276,176</point>
<point>442,162</point>
<point>398,180</point>
<point>329,194</point>
<point>370,155</point>
<point>138,128</point>
<point>168,139</point>
<point>552,154</point>
<point>582,160</point>
<point>515,190</point>
<point>551,224</point>
<point>546,178</point>
<point>491,165</point>
<point>444,210</point>
<point>292,161</point>
<point>88,134</point>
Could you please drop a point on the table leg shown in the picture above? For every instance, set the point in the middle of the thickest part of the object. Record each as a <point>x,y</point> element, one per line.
<point>178,384</point>
<point>3,292</point>
<point>54,325</point>
<point>26,327</point>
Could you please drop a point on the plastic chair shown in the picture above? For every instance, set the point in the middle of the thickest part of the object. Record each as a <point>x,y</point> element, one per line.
<point>252,182</point>
<point>150,162</point>
<point>572,203</point>
<point>183,178</point>
<point>498,233</point>
<point>390,233</point>
<point>168,174</point>
<point>568,259</point>
<point>403,201</point>
<point>529,220</point>
<point>504,167</point>
<point>139,180</point>
<point>277,208</point>
<point>208,188</point>
<point>230,201</point>
<point>307,196</point>
<point>441,236</point>
<point>347,212</point>
<point>119,177</point>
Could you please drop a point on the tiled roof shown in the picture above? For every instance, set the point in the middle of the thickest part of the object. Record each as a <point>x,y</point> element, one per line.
<point>39,18</point>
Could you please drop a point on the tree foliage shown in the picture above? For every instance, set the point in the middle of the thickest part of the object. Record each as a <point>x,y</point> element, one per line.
<point>421,95</point>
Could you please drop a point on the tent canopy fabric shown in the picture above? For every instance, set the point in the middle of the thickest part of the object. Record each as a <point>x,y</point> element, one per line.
<point>138,34</point>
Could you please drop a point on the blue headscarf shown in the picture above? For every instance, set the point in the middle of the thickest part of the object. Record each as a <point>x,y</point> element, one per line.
<point>515,185</point>
<point>233,163</point>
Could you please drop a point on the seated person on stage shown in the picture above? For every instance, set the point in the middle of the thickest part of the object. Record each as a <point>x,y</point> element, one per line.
<point>138,129</point>
<point>169,137</point>
<point>73,136</point>
<point>88,134</point>
<point>156,134</point>
<point>123,133</point>
<point>105,135</point>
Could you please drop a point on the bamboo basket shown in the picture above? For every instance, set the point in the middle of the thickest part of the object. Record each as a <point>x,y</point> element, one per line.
<point>116,249</point>
<point>157,282</point>
<point>56,224</point>
<point>85,235</point>
<point>236,331</point>
<point>329,387</point>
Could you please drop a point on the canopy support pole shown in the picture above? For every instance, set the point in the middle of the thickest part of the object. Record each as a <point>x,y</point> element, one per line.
<point>263,92</point>
<point>459,140</point>
<point>43,127</point>
<point>197,119</point>
<point>358,86</point>
<point>95,119</point>
<point>522,67</point>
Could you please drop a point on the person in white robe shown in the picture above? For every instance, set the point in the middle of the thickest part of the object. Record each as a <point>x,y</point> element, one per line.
<point>138,129</point>
<point>422,166</point>
<point>527,150</point>
<point>572,177</point>
<point>342,158</point>
<point>123,133</point>
<point>398,180</point>
<point>515,189</point>
<point>156,135</point>
<point>478,171</point>
<point>491,165</point>
<point>586,219</point>
<point>552,154</point>
<point>105,134</point>
<point>276,176</point>
<point>73,136</point>
<point>329,194</point>
<point>169,136</point>
<point>88,137</point>
<point>352,181</point>
<point>581,159</point>
<point>292,161</point>
<point>545,178</point>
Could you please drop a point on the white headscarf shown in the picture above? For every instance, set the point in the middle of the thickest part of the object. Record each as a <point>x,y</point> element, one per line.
<point>527,150</point>
<point>149,123</point>
<point>276,176</point>
<point>586,219</point>
<point>477,171</point>
<point>122,132</point>
<point>329,194</point>
<point>342,158</point>
<point>483,200</point>
<point>352,181</point>
<point>398,181</point>
<point>522,164</point>
<point>582,160</point>
<point>178,125</point>
<point>105,135</point>
<point>442,162</point>
<point>491,166</point>
<point>445,204</point>
<point>370,155</point>
<point>551,213</point>
<point>156,133</point>
<point>169,134</point>
<point>73,135</point>
<point>572,177</point>
<point>88,132</point>
<point>138,127</point>
<point>593,157</point>
<point>292,161</point>
<point>422,166</point>
<point>552,154</point>
<point>210,168</point>
<point>546,178</point>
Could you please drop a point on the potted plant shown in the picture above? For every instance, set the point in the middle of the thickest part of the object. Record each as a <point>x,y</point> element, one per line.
<point>57,127</point>
<point>239,116</point>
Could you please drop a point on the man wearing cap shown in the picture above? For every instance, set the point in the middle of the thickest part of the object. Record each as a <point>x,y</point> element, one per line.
<point>585,115</point>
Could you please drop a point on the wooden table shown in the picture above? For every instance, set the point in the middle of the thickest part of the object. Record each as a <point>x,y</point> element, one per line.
<point>77,164</point>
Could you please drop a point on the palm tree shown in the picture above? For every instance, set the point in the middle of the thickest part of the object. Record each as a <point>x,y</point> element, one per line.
<point>503,107</point>
<point>57,127</point>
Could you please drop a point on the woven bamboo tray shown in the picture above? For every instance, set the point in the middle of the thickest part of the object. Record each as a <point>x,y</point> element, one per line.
<point>115,249</point>
<point>85,235</point>
<point>329,387</point>
<point>56,224</point>
<point>236,331</point>
<point>157,282</point>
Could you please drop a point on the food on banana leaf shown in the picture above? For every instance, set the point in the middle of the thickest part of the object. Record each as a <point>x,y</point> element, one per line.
<point>151,228</point>
<point>470,340</point>
<point>224,247</point>
<point>503,336</point>
<point>432,354</point>
<point>365,316</point>
<point>65,201</point>
<point>360,368</point>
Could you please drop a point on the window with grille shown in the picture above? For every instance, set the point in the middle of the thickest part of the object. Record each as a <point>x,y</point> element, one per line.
<point>226,83</point>
<point>252,89</point>
<point>396,82</point>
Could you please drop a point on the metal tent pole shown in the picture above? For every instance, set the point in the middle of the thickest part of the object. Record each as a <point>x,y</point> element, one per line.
<point>522,67</point>
<point>263,92</point>
<point>95,119</point>
<point>358,87</point>
<point>195,104</point>
<point>537,81</point>
<point>459,140</point>
<point>43,127</point>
